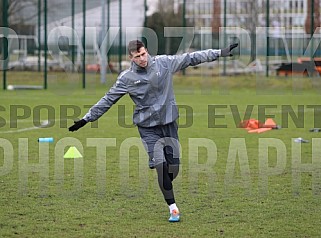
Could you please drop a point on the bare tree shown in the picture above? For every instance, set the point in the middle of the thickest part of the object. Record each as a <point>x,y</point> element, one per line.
<point>169,14</point>
<point>250,20</point>
<point>21,11</point>
<point>25,11</point>
<point>311,24</point>
<point>166,10</point>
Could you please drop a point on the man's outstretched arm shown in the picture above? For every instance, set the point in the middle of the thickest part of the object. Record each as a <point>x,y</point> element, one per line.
<point>179,62</point>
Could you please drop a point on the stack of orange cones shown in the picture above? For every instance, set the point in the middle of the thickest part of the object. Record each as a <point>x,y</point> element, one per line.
<point>255,126</point>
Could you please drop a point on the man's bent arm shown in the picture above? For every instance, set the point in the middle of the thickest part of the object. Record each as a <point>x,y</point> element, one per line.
<point>104,104</point>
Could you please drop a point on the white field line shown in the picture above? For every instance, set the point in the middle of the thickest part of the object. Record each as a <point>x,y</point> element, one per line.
<point>19,130</point>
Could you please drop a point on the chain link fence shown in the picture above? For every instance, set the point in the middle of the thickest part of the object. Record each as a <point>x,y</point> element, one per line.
<point>84,39</point>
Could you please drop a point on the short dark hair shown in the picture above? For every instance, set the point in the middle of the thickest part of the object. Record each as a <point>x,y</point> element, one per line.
<point>134,46</point>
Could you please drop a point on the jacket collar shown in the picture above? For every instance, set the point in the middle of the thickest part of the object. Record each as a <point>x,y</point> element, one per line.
<point>138,69</point>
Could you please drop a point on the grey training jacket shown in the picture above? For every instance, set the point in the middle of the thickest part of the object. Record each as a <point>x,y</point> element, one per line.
<point>151,88</point>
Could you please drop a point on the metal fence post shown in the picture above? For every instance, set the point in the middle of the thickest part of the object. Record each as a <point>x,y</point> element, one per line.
<point>73,34</point>
<point>39,35</point>
<point>120,36</point>
<point>312,28</point>
<point>267,36</point>
<point>45,45</point>
<point>5,42</point>
<point>108,26</point>
<point>224,36</point>
<point>184,26</point>
<point>103,59</point>
<point>84,44</point>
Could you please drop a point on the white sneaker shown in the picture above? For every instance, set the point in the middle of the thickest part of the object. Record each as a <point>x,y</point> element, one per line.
<point>175,216</point>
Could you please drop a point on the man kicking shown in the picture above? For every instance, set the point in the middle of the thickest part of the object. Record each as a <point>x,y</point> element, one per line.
<point>149,84</point>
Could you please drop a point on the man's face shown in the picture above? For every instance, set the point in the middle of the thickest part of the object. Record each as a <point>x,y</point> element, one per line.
<point>140,57</point>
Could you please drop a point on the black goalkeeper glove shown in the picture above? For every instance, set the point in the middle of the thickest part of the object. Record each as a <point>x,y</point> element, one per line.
<point>77,125</point>
<point>227,51</point>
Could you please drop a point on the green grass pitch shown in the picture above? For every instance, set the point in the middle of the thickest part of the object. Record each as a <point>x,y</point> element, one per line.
<point>231,183</point>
